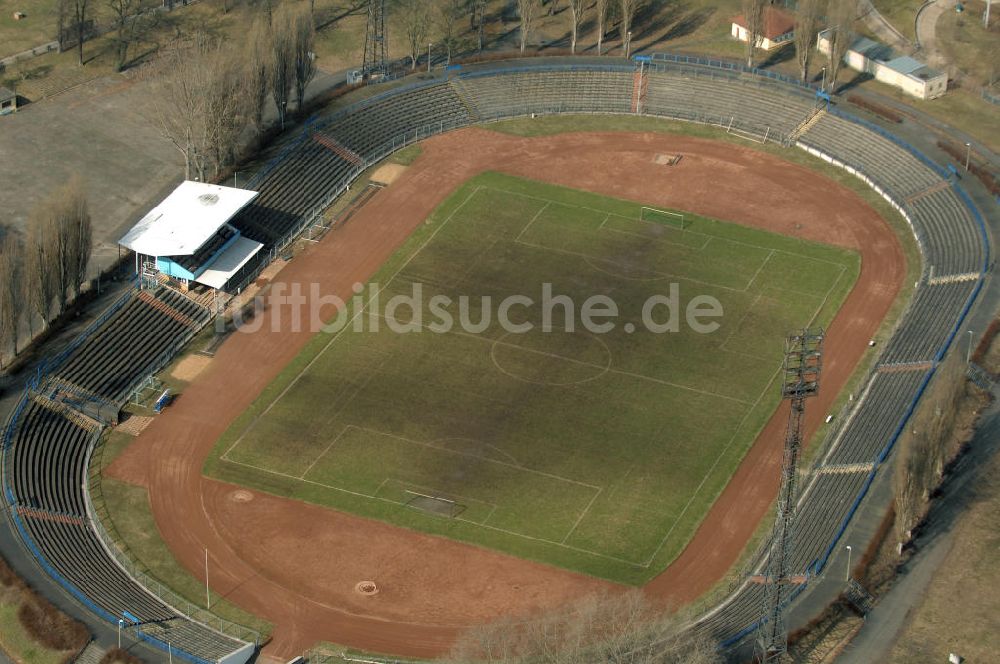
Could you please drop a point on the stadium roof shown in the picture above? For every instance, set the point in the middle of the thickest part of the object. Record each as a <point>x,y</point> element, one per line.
<point>229,262</point>
<point>186,219</point>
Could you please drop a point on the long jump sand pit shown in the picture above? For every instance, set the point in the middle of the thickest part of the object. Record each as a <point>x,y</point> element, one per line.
<point>298,565</point>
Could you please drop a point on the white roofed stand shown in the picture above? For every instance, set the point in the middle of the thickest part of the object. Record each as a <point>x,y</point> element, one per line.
<point>188,238</point>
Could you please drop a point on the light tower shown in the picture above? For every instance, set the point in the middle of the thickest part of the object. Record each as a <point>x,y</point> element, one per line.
<point>800,381</point>
<point>376,45</point>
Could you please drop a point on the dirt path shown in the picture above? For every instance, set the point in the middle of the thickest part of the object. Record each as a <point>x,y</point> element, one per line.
<point>296,565</point>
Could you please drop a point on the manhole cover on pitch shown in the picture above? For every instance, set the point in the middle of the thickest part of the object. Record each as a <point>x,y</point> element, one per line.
<point>366,588</point>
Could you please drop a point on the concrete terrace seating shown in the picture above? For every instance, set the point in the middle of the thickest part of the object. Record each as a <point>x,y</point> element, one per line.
<point>48,457</point>
<point>110,362</point>
<point>50,462</point>
<point>953,244</point>
<point>875,420</point>
<point>76,553</point>
<point>887,163</point>
<point>302,181</point>
<point>522,93</point>
<point>721,100</point>
<point>381,121</point>
<point>933,314</point>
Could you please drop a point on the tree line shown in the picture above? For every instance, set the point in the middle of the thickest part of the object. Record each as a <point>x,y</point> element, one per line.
<point>213,94</point>
<point>599,629</point>
<point>809,15</point>
<point>43,272</point>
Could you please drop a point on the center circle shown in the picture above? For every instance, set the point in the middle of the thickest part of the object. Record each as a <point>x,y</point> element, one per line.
<point>553,357</point>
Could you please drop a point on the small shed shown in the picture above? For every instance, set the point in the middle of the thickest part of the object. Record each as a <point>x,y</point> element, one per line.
<point>8,101</point>
<point>779,28</point>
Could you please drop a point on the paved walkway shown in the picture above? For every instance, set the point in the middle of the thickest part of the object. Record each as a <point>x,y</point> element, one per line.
<point>927,19</point>
<point>887,620</point>
<point>885,31</point>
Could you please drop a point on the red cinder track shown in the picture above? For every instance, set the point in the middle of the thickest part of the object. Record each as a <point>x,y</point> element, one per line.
<point>296,565</point>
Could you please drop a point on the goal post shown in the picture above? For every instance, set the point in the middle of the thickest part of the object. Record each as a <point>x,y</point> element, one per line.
<point>665,217</point>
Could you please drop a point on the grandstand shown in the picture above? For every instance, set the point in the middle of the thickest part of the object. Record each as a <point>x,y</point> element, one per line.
<point>188,238</point>
<point>46,451</point>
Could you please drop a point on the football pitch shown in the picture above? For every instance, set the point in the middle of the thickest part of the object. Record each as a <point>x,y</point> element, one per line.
<point>599,451</point>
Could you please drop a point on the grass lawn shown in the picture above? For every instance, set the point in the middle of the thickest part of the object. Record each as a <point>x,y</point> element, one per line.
<point>969,45</point>
<point>958,613</point>
<point>902,14</point>
<point>599,452</point>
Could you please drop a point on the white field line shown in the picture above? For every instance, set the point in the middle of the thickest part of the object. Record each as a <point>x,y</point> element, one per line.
<point>532,220</point>
<point>709,236</point>
<point>591,365</point>
<point>763,264</point>
<point>742,420</point>
<point>512,533</point>
<point>334,338</point>
<point>709,239</point>
<point>580,518</point>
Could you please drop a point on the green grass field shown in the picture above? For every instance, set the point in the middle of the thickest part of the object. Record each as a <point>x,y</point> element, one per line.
<point>598,452</point>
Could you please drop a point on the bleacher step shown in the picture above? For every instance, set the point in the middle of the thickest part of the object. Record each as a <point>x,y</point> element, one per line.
<point>92,654</point>
<point>338,149</point>
<point>165,308</point>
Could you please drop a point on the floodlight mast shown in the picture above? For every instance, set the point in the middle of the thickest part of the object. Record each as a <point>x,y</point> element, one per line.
<point>375,62</point>
<point>800,381</point>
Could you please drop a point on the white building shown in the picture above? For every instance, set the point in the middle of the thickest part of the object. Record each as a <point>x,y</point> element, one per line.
<point>908,74</point>
<point>779,28</point>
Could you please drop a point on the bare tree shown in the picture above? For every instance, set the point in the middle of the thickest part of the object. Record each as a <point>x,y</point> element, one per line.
<point>304,55</point>
<point>924,447</point>
<point>477,18</point>
<point>282,63</point>
<point>806,25</point>
<point>416,20</point>
<point>257,69</point>
<point>753,15</point>
<point>597,629</point>
<point>206,103</point>
<point>526,10</point>
<point>628,10</point>
<point>577,9</point>
<point>180,106</point>
<point>10,294</point>
<point>601,8</point>
<point>42,262</point>
<point>449,13</point>
<point>79,8</point>
<point>76,234</point>
<point>127,21</point>
<point>227,106</point>
<point>840,15</point>
<point>62,16</point>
